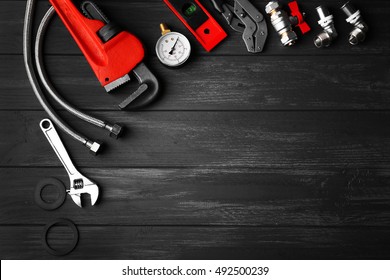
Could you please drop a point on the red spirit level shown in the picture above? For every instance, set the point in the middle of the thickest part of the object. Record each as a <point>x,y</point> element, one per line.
<point>199,21</point>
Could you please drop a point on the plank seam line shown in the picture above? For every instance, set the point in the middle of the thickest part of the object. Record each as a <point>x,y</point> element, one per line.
<point>347,227</point>
<point>213,111</point>
<point>363,54</point>
<point>328,167</point>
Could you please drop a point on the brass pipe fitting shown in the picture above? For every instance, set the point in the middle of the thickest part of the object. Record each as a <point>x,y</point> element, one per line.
<point>282,24</point>
<point>354,17</point>
<point>329,34</point>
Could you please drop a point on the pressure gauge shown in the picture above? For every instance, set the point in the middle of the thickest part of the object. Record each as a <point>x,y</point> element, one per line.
<point>173,49</point>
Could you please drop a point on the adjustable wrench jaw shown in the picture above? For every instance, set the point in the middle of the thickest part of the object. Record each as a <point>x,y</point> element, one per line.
<point>83,186</point>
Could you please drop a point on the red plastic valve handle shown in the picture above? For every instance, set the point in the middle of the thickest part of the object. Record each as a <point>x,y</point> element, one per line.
<point>295,12</point>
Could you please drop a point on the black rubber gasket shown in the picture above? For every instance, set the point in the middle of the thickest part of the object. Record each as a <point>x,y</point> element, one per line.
<point>70,248</point>
<point>38,194</point>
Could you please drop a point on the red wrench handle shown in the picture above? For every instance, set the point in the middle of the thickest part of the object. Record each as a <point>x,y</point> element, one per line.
<point>111,60</point>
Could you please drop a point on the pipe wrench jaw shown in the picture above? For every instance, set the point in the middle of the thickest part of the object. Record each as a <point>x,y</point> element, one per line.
<point>147,91</point>
<point>148,88</point>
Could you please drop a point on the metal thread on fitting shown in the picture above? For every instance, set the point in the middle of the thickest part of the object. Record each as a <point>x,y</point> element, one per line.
<point>325,38</point>
<point>354,17</point>
<point>281,23</point>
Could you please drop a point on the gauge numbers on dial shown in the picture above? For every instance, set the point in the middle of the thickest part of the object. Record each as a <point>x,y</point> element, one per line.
<point>173,49</point>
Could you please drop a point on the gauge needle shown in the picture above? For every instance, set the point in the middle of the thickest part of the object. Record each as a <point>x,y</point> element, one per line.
<point>173,48</point>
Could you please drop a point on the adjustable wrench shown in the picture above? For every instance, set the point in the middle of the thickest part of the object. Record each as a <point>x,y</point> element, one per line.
<point>79,184</point>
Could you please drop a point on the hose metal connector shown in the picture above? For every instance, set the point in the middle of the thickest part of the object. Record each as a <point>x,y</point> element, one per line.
<point>354,17</point>
<point>325,38</point>
<point>115,130</point>
<point>94,147</point>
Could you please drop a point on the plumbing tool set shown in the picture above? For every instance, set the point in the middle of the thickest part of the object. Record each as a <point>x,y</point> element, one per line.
<point>115,55</point>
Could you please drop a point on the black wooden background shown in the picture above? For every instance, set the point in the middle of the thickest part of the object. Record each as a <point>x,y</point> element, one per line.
<point>281,155</point>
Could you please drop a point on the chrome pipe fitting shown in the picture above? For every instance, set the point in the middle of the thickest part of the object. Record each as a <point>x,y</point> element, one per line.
<point>354,17</point>
<point>282,24</point>
<point>325,38</point>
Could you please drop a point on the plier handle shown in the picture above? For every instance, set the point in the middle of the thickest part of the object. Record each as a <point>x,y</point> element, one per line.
<point>227,12</point>
<point>244,18</point>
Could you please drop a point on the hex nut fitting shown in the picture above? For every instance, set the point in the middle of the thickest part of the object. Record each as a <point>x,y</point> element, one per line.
<point>116,131</point>
<point>289,38</point>
<point>94,147</point>
<point>357,36</point>
<point>354,17</point>
<point>323,40</point>
<point>271,6</point>
<point>329,34</point>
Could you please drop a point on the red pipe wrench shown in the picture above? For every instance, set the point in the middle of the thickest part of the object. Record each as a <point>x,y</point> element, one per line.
<point>111,52</point>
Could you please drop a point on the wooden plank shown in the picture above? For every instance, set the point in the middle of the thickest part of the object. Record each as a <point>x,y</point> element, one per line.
<point>24,242</point>
<point>226,139</point>
<point>126,13</point>
<point>209,196</point>
<point>220,83</point>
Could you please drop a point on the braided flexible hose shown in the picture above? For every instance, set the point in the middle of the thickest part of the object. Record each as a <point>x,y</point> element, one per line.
<point>46,81</point>
<point>29,64</point>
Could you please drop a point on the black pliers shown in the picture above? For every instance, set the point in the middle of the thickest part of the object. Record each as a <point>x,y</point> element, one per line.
<point>245,18</point>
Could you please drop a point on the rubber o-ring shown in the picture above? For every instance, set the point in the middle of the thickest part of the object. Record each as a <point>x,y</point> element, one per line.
<point>61,197</point>
<point>70,248</point>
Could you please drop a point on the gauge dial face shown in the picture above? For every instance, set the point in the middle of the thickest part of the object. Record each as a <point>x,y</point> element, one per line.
<point>173,49</point>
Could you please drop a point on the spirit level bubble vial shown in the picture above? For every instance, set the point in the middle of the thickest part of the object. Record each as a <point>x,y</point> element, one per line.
<point>199,21</point>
